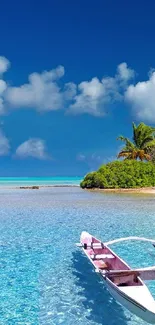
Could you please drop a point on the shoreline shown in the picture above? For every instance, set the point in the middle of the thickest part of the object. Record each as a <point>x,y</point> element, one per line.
<point>144,190</point>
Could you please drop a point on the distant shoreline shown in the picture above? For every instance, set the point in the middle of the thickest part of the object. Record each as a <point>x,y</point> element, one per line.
<point>43,186</point>
<point>35,187</point>
<point>144,190</point>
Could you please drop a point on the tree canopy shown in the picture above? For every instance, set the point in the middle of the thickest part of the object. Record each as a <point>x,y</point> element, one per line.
<point>142,144</point>
<point>136,170</point>
<point>121,174</point>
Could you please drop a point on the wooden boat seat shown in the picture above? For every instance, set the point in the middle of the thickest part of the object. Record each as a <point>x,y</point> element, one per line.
<point>97,245</point>
<point>101,256</point>
<point>101,265</point>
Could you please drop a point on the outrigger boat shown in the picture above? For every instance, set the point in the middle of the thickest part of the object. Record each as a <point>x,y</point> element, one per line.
<point>124,284</point>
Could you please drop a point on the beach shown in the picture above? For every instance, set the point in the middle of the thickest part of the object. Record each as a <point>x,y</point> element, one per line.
<point>143,190</point>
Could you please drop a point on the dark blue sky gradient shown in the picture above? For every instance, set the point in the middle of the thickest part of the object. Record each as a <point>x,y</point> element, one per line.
<point>89,38</point>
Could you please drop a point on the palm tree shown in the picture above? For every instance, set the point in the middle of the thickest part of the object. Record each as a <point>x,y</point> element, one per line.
<point>140,147</point>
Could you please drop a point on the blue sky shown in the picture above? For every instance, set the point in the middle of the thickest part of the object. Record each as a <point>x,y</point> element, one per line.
<point>73,76</point>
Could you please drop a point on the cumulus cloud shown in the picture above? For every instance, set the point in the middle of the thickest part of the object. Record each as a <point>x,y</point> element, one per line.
<point>91,97</point>
<point>125,73</point>
<point>4,144</point>
<point>46,92</point>
<point>142,97</point>
<point>3,86</point>
<point>34,148</point>
<point>94,96</point>
<point>42,92</point>
<point>4,64</point>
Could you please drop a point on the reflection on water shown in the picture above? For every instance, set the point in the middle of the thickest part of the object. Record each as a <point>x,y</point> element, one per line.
<point>96,298</point>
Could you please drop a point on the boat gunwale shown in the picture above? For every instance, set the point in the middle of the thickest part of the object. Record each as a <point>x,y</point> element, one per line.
<point>113,253</point>
<point>112,284</point>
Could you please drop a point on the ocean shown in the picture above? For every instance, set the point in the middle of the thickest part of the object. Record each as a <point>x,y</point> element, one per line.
<point>44,278</point>
<point>47,181</point>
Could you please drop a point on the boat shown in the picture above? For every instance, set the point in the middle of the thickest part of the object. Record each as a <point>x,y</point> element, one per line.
<point>124,284</point>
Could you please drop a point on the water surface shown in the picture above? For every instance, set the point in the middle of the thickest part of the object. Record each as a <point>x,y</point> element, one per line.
<point>44,278</point>
<point>48,181</point>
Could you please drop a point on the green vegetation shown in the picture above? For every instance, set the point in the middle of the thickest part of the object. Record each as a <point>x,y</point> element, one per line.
<point>121,174</point>
<point>142,145</point>
<point>136,170</point>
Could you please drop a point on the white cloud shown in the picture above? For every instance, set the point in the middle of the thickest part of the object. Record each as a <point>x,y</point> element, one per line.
<point>2,109</point>
<point>42,92</point>
<point>3,86</point>
<point>34,148</point>
<point>94,96</point>
<point>46,92</point>
<point>125,73</point>
<point>4,144</point>
<point>69,91</point>
<point>90,99</point>
<point>142,97</point>
<point>4,64</point>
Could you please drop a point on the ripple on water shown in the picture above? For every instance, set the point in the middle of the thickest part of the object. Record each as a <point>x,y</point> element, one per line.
<point>44,278</point>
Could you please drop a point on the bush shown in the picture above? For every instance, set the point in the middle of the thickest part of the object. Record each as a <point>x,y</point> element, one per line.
<point>121,174</point>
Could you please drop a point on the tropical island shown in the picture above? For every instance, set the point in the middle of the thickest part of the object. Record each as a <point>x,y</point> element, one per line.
<point>135,168</point>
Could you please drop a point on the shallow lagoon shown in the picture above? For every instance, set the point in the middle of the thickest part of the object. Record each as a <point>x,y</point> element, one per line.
<point>44,278</point>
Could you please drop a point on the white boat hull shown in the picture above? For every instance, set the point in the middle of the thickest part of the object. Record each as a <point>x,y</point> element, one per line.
<point>130,304</point>
<point>137,299</point>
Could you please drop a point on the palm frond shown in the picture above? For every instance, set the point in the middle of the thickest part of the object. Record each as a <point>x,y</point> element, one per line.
<point>147,156</point>
<point>146,141</point>
<point>124,154</point>
<point>142,134</point>
<point>150,144</point>
<point>143,143</point>
<point>127,141</point>
<point>134,131</point>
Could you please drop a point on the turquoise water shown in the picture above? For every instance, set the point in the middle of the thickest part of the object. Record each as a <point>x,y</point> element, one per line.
<point>28,181</point>
<point>44,278</point>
